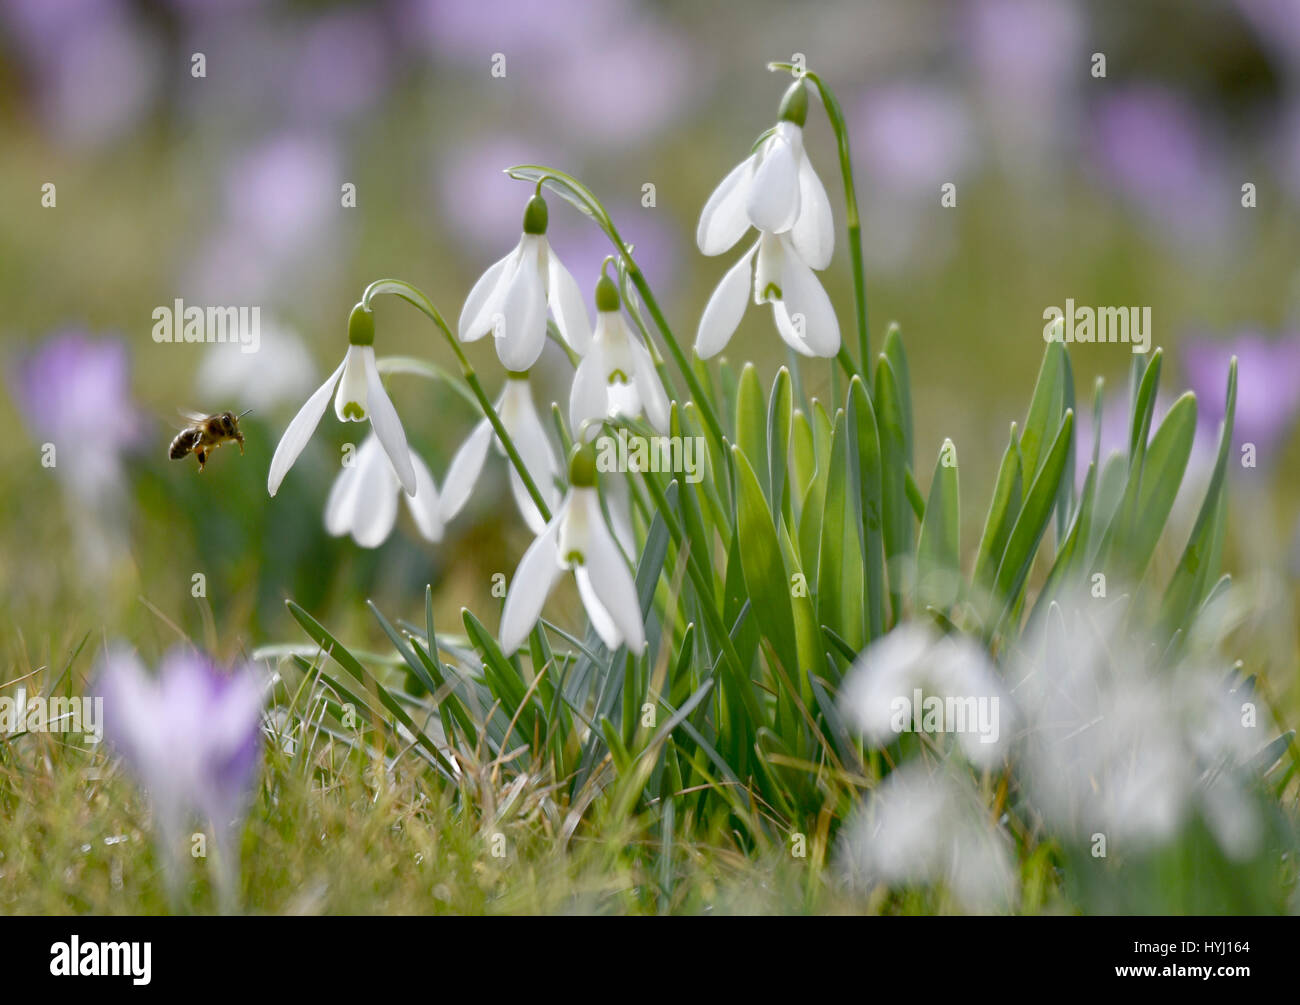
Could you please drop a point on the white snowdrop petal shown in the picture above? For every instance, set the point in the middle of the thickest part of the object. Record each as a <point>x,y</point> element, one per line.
<point>614,587</point>
<point>341,504</point>
<point>773,198</point>
<point>567,306</point>
<point>809,307</point>
<point>724,219</point>
<point>299,432</point>
<point>725,308</point>
<point>532,583</point>
<point>424,504</point>
<point>589,397</point>
<point>523,331</point>
<point>601,620</point>
<point>485,292</point>
<point>813,233</point>
<point>464,471</point>
<point>387,426</point>
<point>376,507</point>
<point>650,389</point>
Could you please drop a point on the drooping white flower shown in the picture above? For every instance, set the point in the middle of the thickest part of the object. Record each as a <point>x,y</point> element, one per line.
<point>510,299</point>
<point>525,428</point>
<point>576,540</point>
<point>360,396</point>
<point>776,190</point>
<point>803,312</point>
<point>617,377</point>
<point>363,499</point>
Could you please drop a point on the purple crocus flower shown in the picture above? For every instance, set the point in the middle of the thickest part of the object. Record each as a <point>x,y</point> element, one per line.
<point>191,736</point>
<point>1156,151</point>
<point>1268,386</point>
<point>64,389</point>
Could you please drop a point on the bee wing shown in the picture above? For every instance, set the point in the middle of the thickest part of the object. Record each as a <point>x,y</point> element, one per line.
<point>191,416</point>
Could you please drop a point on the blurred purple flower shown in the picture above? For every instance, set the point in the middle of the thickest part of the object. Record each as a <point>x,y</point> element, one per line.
<point>1268,386</point>
<point>1278,26</point>
<point>65,389</point>
<point>479,203</point>
<point>95,68</point>
<point>471,33</point>
<point>191,736</point>
<point>340,65</point>
<point>283,193</point>
<point>1154,148</point>
<point>1025,54</point>
<point>656,245</point>
<point>911,138</point>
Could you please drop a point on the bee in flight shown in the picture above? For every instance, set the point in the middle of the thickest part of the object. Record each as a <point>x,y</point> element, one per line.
<point>205,433</point>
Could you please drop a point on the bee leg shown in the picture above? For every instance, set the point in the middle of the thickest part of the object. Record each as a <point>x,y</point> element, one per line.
<point>240,440</point>
<point>202,455</point>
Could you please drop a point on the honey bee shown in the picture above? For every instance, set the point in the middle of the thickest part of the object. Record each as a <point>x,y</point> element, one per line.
<point>205,433</point>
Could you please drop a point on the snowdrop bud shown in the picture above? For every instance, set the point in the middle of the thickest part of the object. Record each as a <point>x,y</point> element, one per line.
<point>794,105</point>
<point>606,295</point>
<point>361,326</point>
<point>582,466</point>
<point>536,216</point>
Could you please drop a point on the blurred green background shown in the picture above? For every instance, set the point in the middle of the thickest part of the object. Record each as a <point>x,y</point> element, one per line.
<point>226,189</point>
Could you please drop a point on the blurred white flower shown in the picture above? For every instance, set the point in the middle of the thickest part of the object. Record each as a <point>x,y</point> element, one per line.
<point>510,299</point>
<point>944,682</point>
<point>617,377</point>
<point>1117,744</point>
<point>526,431</point>
<point>924,829</point>
<point>576,539</point>
<point>363,500</point>
<point>360,396</point>
<point>281,370</point>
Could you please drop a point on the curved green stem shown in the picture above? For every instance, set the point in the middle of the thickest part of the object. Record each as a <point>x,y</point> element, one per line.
<point>836,116</point>
<point>413,296</point>
<point>578,195</point>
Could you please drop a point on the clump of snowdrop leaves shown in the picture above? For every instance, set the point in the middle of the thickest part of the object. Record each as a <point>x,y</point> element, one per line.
<point>617,377</point>
<point>776,191</point>
<point>511,298</point>
<point>1117,744</point>
<point>913,677</point>
<point>360,396</point>
<point>192,738</point>
<point>928,827</point>
<point>524,426</point>
<point>576,540</point>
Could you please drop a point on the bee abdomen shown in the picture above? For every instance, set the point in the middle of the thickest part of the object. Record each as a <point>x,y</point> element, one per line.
<point>186,440</point>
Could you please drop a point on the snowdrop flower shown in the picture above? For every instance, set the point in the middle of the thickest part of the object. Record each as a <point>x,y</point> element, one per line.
<point>525,428</point>
<point>192,738</point>
<point>617,377</point>
<point>777,191</point>
<point>914,678</point>
<point>510,299</point>
<point>921,829</point>
<point>1120,745</point>
<point>363,500</point>
<point>360,396</point>
<point>576,539</point>
<point>803,313</point>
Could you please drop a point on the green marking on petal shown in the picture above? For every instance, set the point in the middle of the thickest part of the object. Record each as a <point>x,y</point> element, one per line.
<point>353,411</point>
<point>574,558</point>
<point>617,376</point>
<point>772,292</point>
